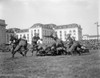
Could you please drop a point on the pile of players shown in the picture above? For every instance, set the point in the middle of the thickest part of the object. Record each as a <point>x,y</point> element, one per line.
<point>58,47</point>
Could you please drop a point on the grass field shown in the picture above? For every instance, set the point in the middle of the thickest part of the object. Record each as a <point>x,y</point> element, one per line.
<point>84,66</point>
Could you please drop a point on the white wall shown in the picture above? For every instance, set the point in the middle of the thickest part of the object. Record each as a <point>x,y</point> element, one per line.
<point>44,32</point>
<point>21,34</point>
<point>76,34</point>
<point>31,32</point>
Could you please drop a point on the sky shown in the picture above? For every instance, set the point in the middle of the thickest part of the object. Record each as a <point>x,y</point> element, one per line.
<point>24,13</point>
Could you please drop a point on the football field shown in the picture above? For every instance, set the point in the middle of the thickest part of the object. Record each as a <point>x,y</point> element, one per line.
<point>65,66</point>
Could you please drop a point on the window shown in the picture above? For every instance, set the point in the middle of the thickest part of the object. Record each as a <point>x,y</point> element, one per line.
<point>34,32</point>
<point>70,31</point>
<point>65,34</point>
<point>38,31</point>
<point>74,31</point>
<point>60,34</point>
<point>20,36</point>
<point>31,33</point>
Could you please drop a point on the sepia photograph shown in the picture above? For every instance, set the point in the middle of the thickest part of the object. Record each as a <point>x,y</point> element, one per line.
<point>49,39</point>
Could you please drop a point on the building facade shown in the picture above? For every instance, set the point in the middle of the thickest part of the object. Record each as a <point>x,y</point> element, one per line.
<point>2,31</point>
<point>23,33</point>
<point>44,30</point>
<point>90,37</point>
<point>74,29</point>
<point>41,29</point>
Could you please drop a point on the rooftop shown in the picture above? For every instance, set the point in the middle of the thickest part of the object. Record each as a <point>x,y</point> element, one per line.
<point>12,30</point>
<point>23,30</point>
<point>55,26</point>
<point>47,26</point>
<point>9,31</point>
<point>68,26</point>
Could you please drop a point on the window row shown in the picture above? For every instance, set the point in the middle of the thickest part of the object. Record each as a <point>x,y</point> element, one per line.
<point>65,33</point>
